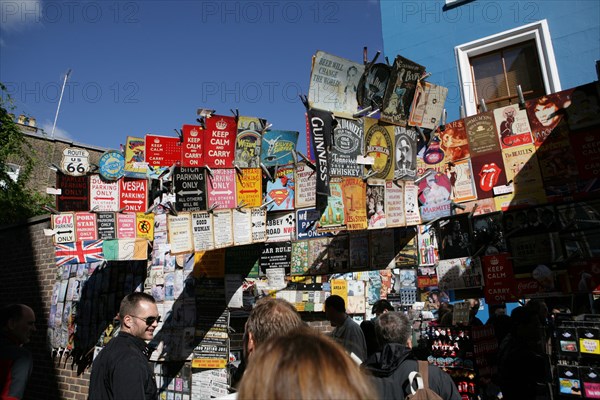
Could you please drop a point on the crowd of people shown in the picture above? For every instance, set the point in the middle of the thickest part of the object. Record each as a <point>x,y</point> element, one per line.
<point>284,358</point>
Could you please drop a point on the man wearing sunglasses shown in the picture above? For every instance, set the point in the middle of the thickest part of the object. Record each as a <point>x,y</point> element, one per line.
<point>121,370</point>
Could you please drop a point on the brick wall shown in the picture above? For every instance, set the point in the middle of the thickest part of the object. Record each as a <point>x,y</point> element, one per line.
<point>27,273</point>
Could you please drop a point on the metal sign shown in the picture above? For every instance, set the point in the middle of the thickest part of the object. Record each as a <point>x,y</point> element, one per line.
<point>162,151</point>
<point>106,225</point>
<point>133,194</point>
<point>64,227</point>
<point>85,226</point>
<point>104,196</point>
<point>74,192</point>
<point>75,162</point>
<point>190,189</point>
<point>192,154</point>
<point>112,165</point>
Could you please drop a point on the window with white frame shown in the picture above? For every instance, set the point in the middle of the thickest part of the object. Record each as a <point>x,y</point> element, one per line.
<point>492,67</point>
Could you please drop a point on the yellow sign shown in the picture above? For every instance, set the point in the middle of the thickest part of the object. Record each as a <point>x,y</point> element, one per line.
<point>249,187</point>
<point>134,155</point>
<point>144,225</point>
<point>340,287</point>
<point>209,264</point>
<point>209,363</point>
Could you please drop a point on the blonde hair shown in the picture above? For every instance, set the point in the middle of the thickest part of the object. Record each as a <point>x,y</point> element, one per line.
<point>303,365</point>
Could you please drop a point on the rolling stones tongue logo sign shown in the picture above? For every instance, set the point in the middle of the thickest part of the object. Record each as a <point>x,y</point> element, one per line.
<point>488,176</point>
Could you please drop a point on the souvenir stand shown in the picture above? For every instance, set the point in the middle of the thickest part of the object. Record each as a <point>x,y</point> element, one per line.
<point>390,201</point>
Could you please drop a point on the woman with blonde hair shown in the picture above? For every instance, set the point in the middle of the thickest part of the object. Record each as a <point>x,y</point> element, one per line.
<point>303,365</point>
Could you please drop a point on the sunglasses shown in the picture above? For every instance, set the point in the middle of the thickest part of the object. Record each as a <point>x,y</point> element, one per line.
<point>149,321</point>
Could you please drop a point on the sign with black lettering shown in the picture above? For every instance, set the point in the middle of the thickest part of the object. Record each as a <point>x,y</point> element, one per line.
<point>106,225</point>
<point>74,192</point>
<point>276,255</point>
<point>190,189</point>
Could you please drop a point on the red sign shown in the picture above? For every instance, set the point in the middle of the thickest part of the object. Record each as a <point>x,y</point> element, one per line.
<point>162,151</point>
<point>126,226</point>
<point>499,278</point>
<point>220,141</point>
<point>133,194</point>
<point>85,226</point>
<point>192,154</point>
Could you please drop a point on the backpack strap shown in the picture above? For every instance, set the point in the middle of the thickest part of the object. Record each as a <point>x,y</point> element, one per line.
<point>424,372</point>
<point>413,377</point>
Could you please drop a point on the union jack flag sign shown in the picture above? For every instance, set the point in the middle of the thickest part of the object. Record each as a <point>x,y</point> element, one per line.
<point>84,251</point>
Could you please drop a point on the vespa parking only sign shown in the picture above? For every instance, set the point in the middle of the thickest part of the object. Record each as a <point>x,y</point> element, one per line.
<point>133,194</point>
<point>190,189</point>
<point>75,162</point>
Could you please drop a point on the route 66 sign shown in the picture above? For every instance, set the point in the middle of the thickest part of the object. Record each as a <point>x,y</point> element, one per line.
<point>75,162</point>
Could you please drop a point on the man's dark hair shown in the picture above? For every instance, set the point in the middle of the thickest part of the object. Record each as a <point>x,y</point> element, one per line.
<point>392,327</point>
<point>272,317</point>
<point>336,303</point>
<point>382,305</point>
<point>11,311</point>
<point>131,301</point>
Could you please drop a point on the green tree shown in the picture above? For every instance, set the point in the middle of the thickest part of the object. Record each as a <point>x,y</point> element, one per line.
<point>17,202</point>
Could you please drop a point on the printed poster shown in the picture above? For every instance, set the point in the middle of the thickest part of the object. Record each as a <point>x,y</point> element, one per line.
<point>376,204</point>
<point>219,141</point>
<point>454,142</point>
<point>334,83</point>
<point>202,231</point>
<point>338,253</point>
<point>584,110</point>
<point>223,231</point>
<point>459,273</point>
<point>411,203</point>
<point>221,188</point>
<point>259,224</point>
<point>462,184</point>
<point>339,287</point>
<point>348,137</point>
<point>557,162</point>
<point>281,190</point>
<point>249,187</point>
<point>333,218</point>
<point>359,250</point>
<point>355,203</point>
<point>401,90</point>
<point>394,204</point>
<point>481,133</point>
<point>247,142</point>
<point>372,86</point>
<point>180,233</point>
<point>379,145</point>
<point>435,196</point>
<point>276,255</point>
<point>454,237</point>
<point>428,105</point>
<point>406,153</point>
<point>135,164</point>
<point>242,227</point>
<point>547,117</point>
<point>522,168</point>
<point>162,151</point>
<point>512,126</point>
<point>299,264</point>
<point>489,173</point>
<point>306,181</point>
<point>277,147</point>
<point>318,255</point>
<point>382,250</point>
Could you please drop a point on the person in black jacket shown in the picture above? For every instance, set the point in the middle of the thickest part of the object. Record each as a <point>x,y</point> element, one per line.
<point>391,366</point>
<point>121,370</point>
<point>368,327</point>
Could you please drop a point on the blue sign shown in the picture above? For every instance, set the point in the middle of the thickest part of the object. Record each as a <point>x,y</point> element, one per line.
<point>112,165</point>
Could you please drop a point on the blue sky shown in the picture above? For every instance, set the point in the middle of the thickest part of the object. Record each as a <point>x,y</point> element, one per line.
<point>145,66</point>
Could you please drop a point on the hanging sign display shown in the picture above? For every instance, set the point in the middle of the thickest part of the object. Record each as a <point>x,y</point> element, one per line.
<point>189,185</point>
<point>74,192</point>
<point>247,142</point>
<point>107,225</point>
<point>133,194</point>
<point>162,151</point>
<point>112,165</point>
<point>75,162</point>
<point>219,141</point>
<point>104,196</point>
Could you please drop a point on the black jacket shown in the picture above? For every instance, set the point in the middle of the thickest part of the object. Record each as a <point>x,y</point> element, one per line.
<point>121,371</point>
<point>390,369</point>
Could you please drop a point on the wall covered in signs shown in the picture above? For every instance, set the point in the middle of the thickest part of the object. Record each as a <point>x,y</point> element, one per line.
<point>574,28</point>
